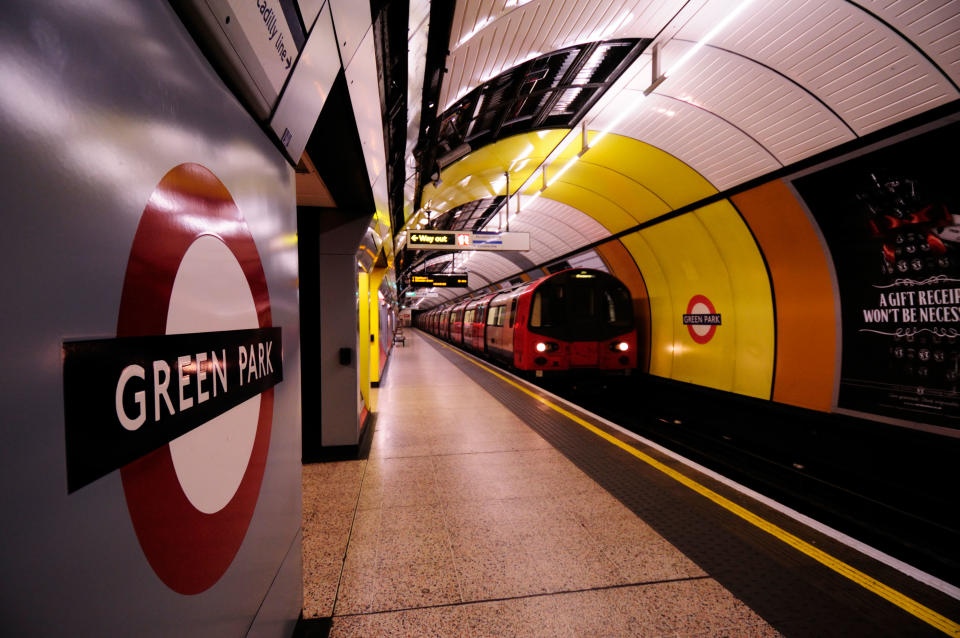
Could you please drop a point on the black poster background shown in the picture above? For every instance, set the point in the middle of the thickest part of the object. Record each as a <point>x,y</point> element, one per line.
<point>891,219</point>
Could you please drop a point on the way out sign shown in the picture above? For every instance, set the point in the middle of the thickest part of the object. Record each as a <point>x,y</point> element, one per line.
<point>468,240</point>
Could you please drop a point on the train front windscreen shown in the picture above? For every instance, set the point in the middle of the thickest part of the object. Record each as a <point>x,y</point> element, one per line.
<point>581,306</point>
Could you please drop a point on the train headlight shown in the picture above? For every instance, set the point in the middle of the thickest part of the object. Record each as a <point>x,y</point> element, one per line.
<point>547,346</point>
<point>621,346</point>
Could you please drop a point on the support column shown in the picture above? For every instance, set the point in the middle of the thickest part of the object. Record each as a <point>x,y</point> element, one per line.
<point>363,349</point>
<point>376,279</point>
<point>329,316</point>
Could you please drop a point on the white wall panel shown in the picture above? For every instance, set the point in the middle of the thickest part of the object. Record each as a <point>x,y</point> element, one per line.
<point>363,84</point>
<point>352,20</point>
<point>101,100</point>
<point>306,91</point>
<point>309,10</point>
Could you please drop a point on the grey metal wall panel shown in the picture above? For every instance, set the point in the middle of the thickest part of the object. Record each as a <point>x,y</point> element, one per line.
<point>280,610</point>
<point>101,99</point>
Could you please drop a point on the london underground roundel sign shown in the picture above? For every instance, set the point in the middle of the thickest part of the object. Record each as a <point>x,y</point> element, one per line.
<point>195,292</point>
<point>701,319</point>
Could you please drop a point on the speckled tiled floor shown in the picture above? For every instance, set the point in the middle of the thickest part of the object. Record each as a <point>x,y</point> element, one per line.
<point>464,522</point>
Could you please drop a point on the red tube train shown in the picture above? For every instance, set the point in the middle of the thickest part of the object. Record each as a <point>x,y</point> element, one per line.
<point>580,319</point>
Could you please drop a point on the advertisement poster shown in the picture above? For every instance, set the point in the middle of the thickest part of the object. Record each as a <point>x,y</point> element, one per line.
<point>891,219</point>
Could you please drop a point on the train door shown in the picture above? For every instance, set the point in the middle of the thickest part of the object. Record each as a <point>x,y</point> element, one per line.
<point>510,312</point>
<point>480,327</point>
<point>495,330</point>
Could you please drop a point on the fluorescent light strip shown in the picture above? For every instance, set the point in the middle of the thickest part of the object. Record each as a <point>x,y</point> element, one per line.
<point>720,26</point>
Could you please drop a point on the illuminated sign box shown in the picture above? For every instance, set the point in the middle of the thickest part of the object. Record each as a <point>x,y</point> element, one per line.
<point>457,280</point>
<point>465,240</point>
<point>432,239</point>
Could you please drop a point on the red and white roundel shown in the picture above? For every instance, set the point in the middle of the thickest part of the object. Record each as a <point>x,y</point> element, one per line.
<point>700,305</point>
<point>194,267</point>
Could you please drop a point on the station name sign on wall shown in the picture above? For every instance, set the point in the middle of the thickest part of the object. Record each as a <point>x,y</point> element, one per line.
<point>126,397</point>
<point>466,240</point>
<point>439,281</point>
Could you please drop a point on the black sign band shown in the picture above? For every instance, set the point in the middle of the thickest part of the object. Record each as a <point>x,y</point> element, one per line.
<point>126,397</point>
<point>706,319</point>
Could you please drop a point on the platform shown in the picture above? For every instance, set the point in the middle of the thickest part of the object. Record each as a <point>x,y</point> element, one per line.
<point>490,508</point>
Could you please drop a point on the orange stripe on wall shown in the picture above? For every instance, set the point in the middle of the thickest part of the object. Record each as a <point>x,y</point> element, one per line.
<point>618,260</point>
<point>806,325</point>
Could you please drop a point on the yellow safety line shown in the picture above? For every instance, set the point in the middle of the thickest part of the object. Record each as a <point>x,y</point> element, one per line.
<point>906,603</point>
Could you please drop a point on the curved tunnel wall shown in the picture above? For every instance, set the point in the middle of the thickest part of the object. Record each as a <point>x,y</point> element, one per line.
<point>706,254</point>
<point>804,304</point>
<point>758,255</point>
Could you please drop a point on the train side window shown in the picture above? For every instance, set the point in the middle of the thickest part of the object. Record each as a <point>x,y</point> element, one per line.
<point>492,317</point>
<point>513,313</point>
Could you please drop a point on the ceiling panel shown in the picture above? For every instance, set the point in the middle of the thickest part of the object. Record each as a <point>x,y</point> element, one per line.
<point>863,70</point>
<point>581,223</point>
<point>786,80</point>
<point>933,25</point>
<point>535,28</point>
<point>780,115</point>
<point>555,230</point>
<point>491,266</point>
<point>719,151</point>
<point>589,259</point>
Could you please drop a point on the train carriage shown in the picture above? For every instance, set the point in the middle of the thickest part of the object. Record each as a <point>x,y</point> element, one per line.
<point>578,319</point>
<point>456,322</point>
<point>475,323</point>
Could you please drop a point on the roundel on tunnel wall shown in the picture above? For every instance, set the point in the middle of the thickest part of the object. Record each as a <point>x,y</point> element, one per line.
<point>701,319</point>
<point>194,268</point>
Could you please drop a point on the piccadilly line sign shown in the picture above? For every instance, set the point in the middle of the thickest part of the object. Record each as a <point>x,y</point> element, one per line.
<point>126,397</point>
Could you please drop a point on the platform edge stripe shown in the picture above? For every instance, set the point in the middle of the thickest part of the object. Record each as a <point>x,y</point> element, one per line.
<point>886,592</point>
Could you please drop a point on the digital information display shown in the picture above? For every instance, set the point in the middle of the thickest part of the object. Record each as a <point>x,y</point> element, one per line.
<point>456,280</point>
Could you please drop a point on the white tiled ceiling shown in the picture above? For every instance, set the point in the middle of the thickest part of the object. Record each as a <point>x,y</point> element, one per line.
<point>787,121</point>
<point>490,266</point>
<point>862,69</point>
<point>785,80</point>
<point>555,229</point>
<point>713,147</point>
<point>933,25</point>
<point>491,36</point>
<point>589,259</point>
